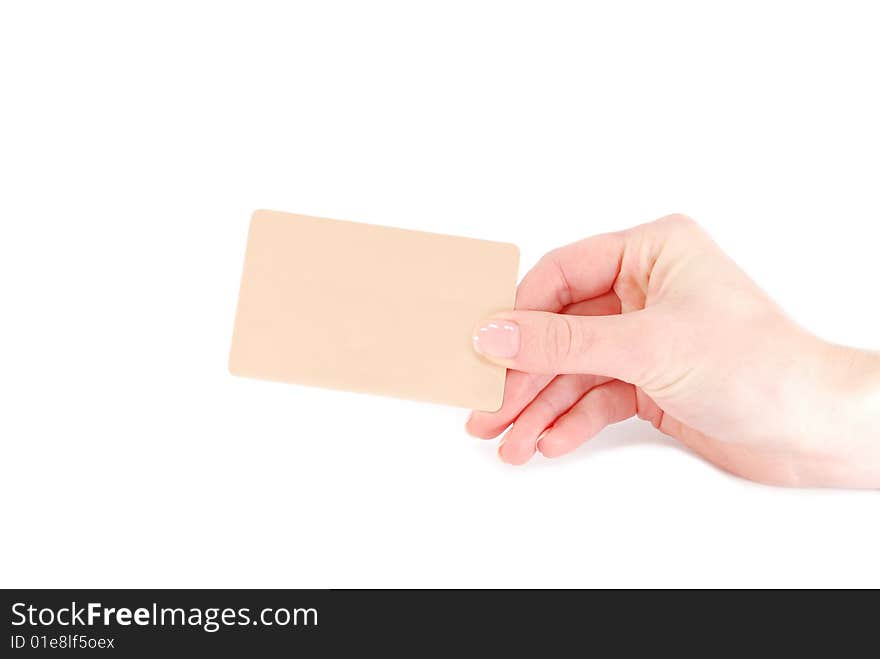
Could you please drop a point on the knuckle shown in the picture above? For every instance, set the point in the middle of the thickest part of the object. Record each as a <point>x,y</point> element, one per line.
<point>560,340</point>
<point>552,256</point>
<point>679,222</point>
<point>679,230</point>
<point>545,408</point>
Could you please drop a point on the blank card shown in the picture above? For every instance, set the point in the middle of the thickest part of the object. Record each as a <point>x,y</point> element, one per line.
<point>368,308</point>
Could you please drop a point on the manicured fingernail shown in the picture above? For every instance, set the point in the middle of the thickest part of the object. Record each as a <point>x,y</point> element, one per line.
<point>497,338</point>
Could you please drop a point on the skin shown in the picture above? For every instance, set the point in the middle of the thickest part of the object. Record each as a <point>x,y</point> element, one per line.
<point>657,322</point>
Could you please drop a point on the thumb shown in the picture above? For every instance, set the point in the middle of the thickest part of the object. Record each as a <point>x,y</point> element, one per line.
<point>615,346</point>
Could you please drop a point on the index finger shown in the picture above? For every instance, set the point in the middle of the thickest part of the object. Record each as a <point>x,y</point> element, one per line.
<point>576,272</point>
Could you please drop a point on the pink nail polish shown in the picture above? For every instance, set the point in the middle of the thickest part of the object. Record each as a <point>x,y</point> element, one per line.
<point>497,338</point>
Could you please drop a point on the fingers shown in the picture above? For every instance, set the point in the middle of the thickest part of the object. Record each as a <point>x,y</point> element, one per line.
<point>537,342</point>
<point>607,304</point>
<point>601,406</point>
<point>620,346</point>
<point>521,388</point>
<point>592,267</point>
<point>580,271</point>
<point>518,445</point>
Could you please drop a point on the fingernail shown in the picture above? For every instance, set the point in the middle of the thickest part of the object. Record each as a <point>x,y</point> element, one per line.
<point>497,338</point>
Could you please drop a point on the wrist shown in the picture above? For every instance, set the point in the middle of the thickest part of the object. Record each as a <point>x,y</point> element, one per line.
<point>850,422</point>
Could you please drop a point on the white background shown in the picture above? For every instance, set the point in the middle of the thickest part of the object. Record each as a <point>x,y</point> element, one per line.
<point>136,139</point>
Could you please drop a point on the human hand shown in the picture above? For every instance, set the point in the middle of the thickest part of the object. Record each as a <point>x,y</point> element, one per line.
<point>658,322</point>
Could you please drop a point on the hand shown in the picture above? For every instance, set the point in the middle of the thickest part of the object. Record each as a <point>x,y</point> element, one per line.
<point>658,322</point>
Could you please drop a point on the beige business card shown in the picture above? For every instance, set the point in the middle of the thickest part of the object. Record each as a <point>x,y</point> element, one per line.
<point>367,308</point>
